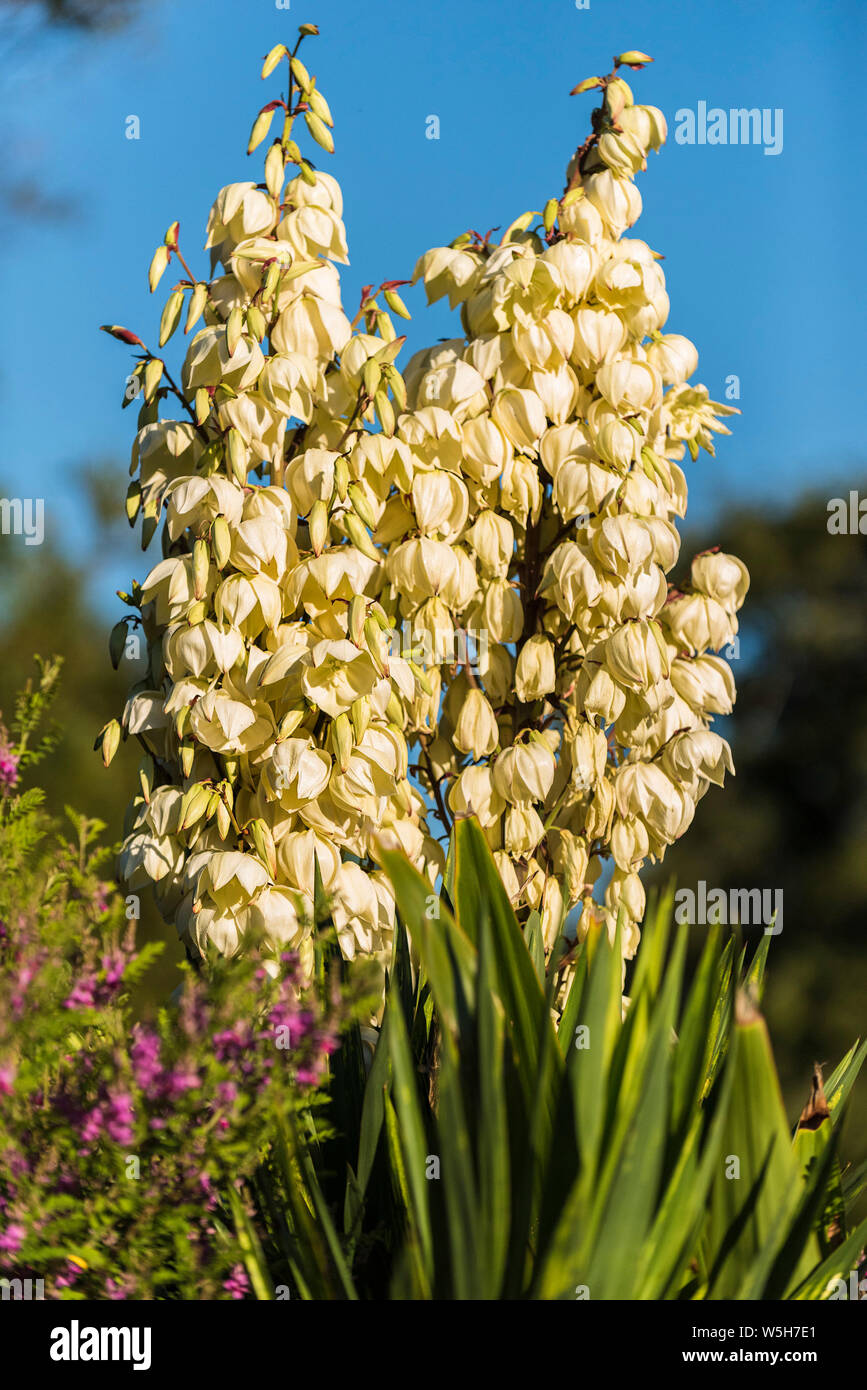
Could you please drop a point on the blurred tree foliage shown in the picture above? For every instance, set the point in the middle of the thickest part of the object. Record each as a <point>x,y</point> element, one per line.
<point>94,16</point>
<point>795,815</point>
<point>45,607</point>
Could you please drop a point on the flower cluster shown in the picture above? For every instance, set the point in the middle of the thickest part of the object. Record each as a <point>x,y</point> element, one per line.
<point>121,1142</point>
<point>9,760</point>
<point>465,564</point>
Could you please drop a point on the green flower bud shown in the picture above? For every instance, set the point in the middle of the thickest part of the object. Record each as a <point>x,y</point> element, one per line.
<point>117,642</point>
<point>108,740</point>
<point>198,300</point>
<point>317,525</point>
<point>261,126</point>
<point>201,568</point>
<point>300,73</point>
<point>342,740</point>
<point>341,477</point>
<point>289,723</point>
<point>224,820</point>
<point>275,170</point>
<point>170,315</point>
<point>360,504</point>
<point>133,501</point>
<point>194,804</point>
<point>587,85</point>
<point>234,329</point>
<point>237,451</point>
<point>396,304</point>
<point>357,617</point>
<point>202,405</point>
<point>263,839</point>
<point>371,375</point>
<point>319,131</point>
<point>157,266</point>
<point>277,54</point>
<point>152,377</point>
<point>320,106</point>
<point>376,646</point>
<point>384,410</point>
<point>221,542</point>
<point>360,536</point>
<point>256,322</point>
<point>359,713</point>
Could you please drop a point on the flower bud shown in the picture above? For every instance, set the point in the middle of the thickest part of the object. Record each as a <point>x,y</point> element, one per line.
<point>698,623</point>
<point>524,772</point>
<point>476,729</point>
<point>588,753</point>
<point>277,53</point>
<point>493,540</point>
<point>221,542</point>
<point>629,843</point>
<point>201,568</point>
<point>158,264</point>
<point>523,831</point>
<point>722,577</point>
<point>535,674</point>
<point>117,642</point>
<point>705,682</point>
<point>108,741</point>
<point>698,753</point>
<point>635,655</point>
<point>570,861</point>
<point>626,891</point>
<point>342,740</point>
<point>504,612</point>
<point>170,315</point>
<point>601,698</point>
<point>263,838</point>
<point>319,131</point>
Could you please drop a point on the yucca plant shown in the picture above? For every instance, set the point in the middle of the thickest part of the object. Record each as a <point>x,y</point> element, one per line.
<point>499,1148</point>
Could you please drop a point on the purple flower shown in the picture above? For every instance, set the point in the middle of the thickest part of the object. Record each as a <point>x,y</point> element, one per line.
<point>115,963</point>
<point>237,1284</point>
<point>9,761</point>
<point>145,1056</point>
<point>120,1118</point>
<point>82,994</point>
<point>13,1237</point>
<point>65,1281</point>
<point>230,1043</point>
<point>180,1080</point>
<point>92,1124</point>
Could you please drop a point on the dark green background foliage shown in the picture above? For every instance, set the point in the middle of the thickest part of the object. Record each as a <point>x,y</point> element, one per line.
<point>47,605</point>
<point>795,815</point>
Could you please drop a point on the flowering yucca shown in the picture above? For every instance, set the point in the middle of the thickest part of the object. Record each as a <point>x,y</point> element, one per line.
<point>464,565</point>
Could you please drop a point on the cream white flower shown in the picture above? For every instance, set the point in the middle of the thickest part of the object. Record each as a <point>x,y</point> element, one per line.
<point>389,585</point>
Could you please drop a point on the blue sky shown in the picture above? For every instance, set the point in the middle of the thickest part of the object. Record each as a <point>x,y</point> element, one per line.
<point>762,253</point>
